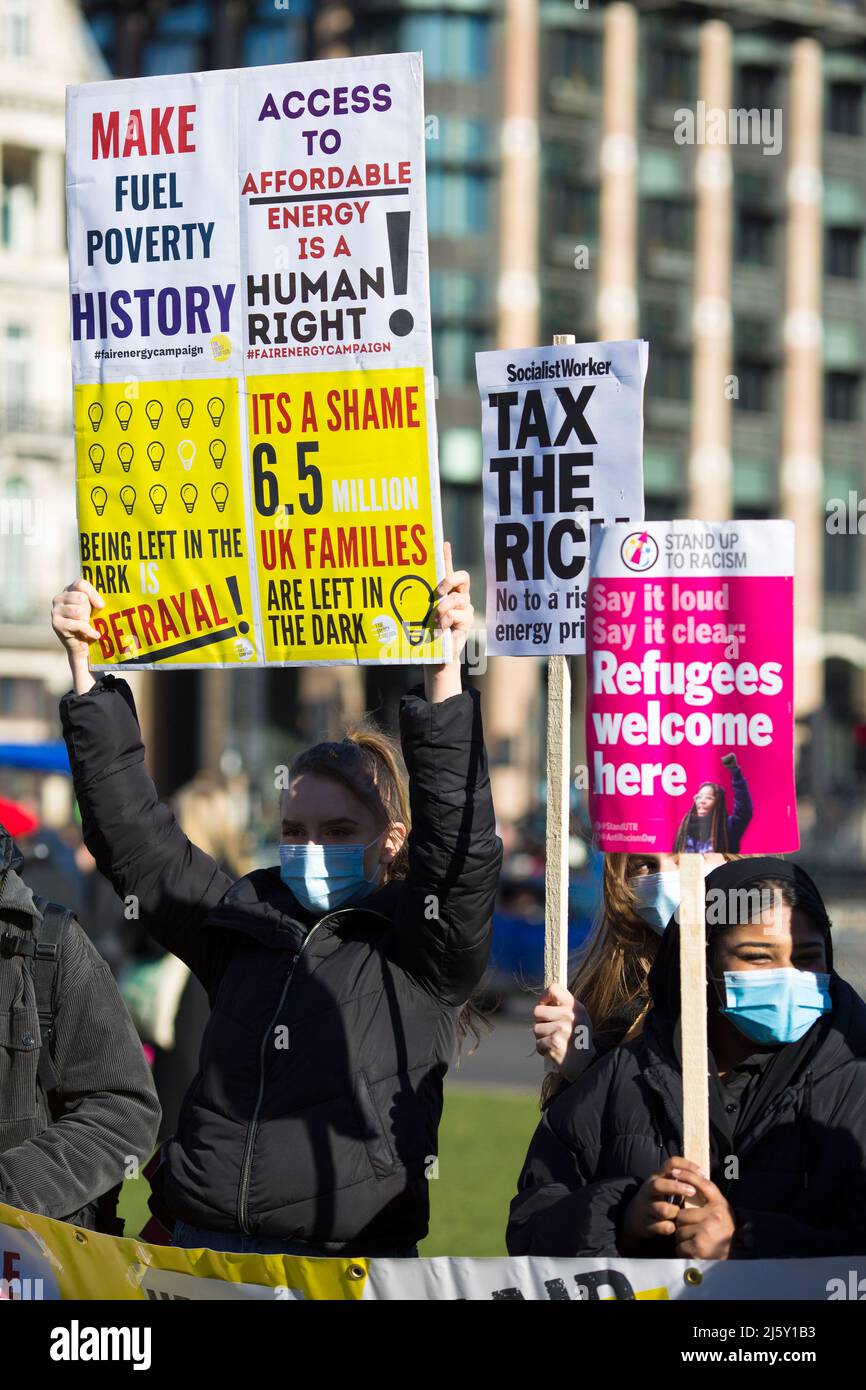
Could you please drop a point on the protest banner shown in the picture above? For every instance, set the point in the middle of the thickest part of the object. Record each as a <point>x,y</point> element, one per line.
<point>45,1260</point>
<point>562,432</point>
<point>689,719</point>
<point>689,716</point>
<point>256,451</point>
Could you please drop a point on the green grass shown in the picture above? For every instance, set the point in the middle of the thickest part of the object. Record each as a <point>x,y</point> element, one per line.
<point>482,1144</point>
<point>483,1140</point>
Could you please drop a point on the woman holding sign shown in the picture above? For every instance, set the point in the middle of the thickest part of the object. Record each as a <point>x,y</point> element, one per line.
<point>336,978</point>
<point>609,994</point>
<point>604,1174</point>
<point>708,828</point>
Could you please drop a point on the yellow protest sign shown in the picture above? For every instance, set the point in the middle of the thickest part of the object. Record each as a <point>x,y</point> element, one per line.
<point>256,451</point>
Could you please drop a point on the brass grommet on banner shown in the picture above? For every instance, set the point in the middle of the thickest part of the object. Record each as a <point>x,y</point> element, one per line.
<point>693,1276</point>
<point>81,1237</point>
<point>355,1272</point>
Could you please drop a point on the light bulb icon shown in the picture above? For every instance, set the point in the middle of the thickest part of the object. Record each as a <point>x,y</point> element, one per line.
<point>184,411</point>
<point>96,454</point>
<point>153,411</point>
<point>412,601</point>
<point>99,497</point>
<point>123,411</point>
<point>127,497</point>
<point>94,414</point>
<point>217,452</point>
<point>157,496</point>
<point>126,453</point>
<point>215,409</point>
<point>155,453</point>
<point>220,494</point>
<point>188,495</point>
<point>186,453</point>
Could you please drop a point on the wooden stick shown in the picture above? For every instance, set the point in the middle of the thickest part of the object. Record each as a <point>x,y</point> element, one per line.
<point>558,814</point>
<point>558,806</point>
<point>693,996</point>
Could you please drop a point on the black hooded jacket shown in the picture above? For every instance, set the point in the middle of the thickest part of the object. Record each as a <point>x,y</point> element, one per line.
<point>800,1146</point>
<point>65,1154</point>
<point>314,1114</point>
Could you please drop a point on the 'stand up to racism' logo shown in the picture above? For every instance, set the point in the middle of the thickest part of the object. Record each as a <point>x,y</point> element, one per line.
<point>639,551</point>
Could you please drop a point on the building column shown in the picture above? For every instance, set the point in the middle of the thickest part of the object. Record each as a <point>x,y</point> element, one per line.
<point>511,685</point>
<point>709,471</point>
<point>215,716</point>
<point>801,491</point>
<point>617,305</point>
<point>49,202</point>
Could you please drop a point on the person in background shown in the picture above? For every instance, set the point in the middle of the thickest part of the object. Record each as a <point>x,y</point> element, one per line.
<point>337,978</point>
<point>605,1174</point>
<point>77,1104</point>
<point>608,997</point>
<point>707,828</point>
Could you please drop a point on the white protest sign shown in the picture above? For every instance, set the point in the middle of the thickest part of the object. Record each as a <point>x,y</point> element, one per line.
<point>562,431</point>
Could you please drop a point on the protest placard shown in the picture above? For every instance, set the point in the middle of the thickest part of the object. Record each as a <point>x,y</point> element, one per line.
<point>255,430</point>
<point>562,431</point>
<point>689,718</point>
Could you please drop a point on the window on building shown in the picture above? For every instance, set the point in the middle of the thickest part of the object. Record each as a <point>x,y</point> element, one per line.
<point>458,140</point>
<point>668,224</point>
<point>670,374</point>
<point>276,35</point>
<point>754,238</point>
<point>454,349</point>
<point>458,294</point>
<point>456,47</point>
<point>17,36</point>
<point>15,589</point>
<point>671,74</point>
<point>575,57</point>
<point>843,559</point>
<point>573,211</point>
<point>845,108</point>
<point>754,386</point>
<point>842,252</point>
<point>658,319</point>
<point>458,204</point>
<point>15,376</point>
<point>842,397</point>
<point>756,87</point>
<point>752,336</point>
<point>661,506</point>
<point>17,222</point>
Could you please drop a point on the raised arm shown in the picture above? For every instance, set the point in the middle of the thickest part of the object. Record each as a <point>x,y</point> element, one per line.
<point>743,810</point>
<point>444,921</point>
<point>135,839</point>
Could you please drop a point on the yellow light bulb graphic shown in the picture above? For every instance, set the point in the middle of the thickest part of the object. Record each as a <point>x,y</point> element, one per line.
<point>188,495</point>
<point>94,413</point>
<point>157,496</point>
<point>126,453</point>
<point>412,601</point>
<point>127,497</point>
<point>186,453</point>
<point>220,494</point>
<point>215,409</point>
<point>155,453</point>
<point>96,454</point>
<point>184,410</point>
<point>99,497</point>
<point>123,411</point>
<point>217,452</point>
<point>153,411</point>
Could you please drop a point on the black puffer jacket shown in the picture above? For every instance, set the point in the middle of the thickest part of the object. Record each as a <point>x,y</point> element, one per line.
<point>315,1111</point>
<point>801,1189</point>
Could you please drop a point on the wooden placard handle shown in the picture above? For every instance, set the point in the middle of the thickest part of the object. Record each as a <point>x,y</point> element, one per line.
<point>693,997</point>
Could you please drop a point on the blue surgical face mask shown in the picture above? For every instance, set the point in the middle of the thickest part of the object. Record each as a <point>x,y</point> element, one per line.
<point>658,897</point>
<point>776,1006</point>
<point>325,877</point>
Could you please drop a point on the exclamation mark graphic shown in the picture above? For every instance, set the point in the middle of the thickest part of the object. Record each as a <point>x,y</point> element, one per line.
<point>401,321</point>
<point>232,586</point>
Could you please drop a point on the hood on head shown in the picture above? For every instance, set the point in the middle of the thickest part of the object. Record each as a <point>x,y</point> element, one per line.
<point>742,874</point>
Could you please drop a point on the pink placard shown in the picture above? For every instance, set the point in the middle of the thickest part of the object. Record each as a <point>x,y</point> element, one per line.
<point>690,701</point>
